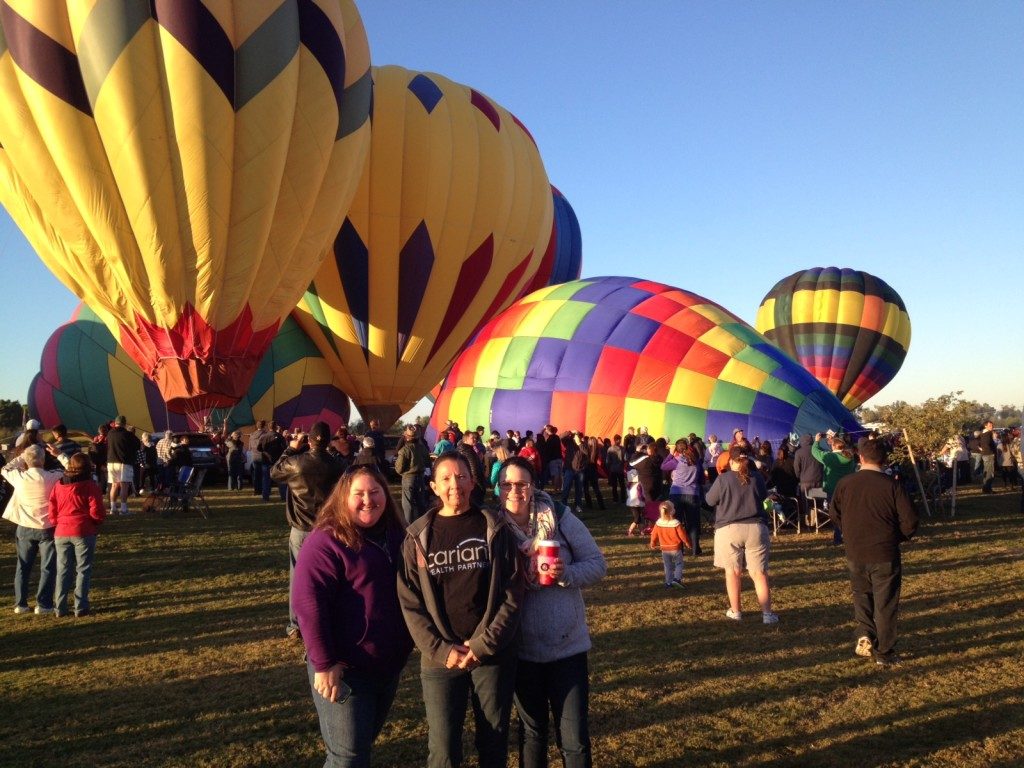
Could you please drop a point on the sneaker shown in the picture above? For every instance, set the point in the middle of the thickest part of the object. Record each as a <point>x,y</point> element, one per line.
<point>59,614</point>
<point>768,617</point>
<point>82,613</point>
<point>22,609</point>
<point>734,615</point>
<point>864,646</point>
<point>891,660</point>
<point>677,583</point>
<point>668,586</point>
<point>40,611</point>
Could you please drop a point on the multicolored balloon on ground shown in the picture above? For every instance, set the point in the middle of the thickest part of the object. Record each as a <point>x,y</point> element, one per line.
<point>563,259</point>
<point>183,166</point>
<point>848,328</point>
<point>86,379</point>
<point>448,227</point>
<point>608,353</point>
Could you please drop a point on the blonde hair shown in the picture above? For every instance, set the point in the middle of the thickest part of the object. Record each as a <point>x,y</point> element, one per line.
<point>667,509</point>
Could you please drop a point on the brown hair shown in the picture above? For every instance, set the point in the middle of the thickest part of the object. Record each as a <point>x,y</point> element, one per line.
<point>335,518</point>
<point>739,454</point>
<point>79,464</point>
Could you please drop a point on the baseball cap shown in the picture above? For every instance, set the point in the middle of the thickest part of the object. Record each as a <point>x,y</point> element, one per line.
<point>33,424</point>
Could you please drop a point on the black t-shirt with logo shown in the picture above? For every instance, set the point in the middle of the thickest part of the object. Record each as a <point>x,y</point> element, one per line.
<point>458,562</point>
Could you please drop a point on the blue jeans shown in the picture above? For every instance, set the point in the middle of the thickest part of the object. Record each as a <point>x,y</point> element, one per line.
<point>673,562</point>
<point>554,473</point>
<point>76,552</point>
<point>295,539</point>
<point>32,541</point>
<point>572,481</point>
<point>445,694</point>
<point>349,728</point>
<point>563,686</point>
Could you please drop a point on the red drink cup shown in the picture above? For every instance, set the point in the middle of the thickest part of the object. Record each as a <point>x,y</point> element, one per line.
<point>547,554</point>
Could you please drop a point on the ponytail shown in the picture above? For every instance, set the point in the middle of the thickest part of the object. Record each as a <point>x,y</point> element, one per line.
<point>739,454</point>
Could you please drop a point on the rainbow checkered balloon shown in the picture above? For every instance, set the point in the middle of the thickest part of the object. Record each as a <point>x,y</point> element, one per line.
<point>604,354</point>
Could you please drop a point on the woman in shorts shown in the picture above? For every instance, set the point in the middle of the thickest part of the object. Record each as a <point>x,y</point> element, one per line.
<point>742,538</point>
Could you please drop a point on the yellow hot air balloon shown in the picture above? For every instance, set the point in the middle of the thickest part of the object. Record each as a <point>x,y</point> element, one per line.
<point>183,166</point>
<point>448,225</point>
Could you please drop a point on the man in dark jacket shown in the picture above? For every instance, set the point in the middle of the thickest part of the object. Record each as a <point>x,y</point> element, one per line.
<point>271,447</point>
<point>310,473</point>
<point>987,449</point>
<point>412,459</point>
<point>875,516</point>
<point>808,473</point>
<point>550,448</point>
<point>122,447</point>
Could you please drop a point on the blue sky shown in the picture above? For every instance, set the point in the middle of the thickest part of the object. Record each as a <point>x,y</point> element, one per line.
<point>719,147</point>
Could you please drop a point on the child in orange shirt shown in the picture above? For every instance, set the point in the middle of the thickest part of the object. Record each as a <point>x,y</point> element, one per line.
<point>671,537</point>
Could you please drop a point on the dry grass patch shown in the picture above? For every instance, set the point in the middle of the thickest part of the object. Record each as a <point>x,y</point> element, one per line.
<point>185,663</point>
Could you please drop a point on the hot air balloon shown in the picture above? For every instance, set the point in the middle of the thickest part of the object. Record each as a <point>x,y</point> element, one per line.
<point>183,167</point>
<point>448,226</point>
<point>848,328</point>
<point>86,378</point>
<point>604,354</point>
<point>563,259</point>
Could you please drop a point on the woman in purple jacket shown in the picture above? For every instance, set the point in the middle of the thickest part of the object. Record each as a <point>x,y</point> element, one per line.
<point>347,607</point>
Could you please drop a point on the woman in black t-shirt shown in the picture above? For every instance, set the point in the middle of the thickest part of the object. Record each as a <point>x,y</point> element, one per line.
<point>460,586</point>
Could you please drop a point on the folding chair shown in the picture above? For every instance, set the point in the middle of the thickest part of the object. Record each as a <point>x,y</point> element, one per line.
<point>819,515</point>
<point>187,488</point>
<point>785,512</point>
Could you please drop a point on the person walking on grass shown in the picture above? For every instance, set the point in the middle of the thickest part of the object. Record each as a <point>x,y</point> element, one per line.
<point>668,535</point>
<point>876,516</point>
<point>741,532</point>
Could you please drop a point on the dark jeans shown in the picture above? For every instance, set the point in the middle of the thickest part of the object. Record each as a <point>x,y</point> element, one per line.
<point>349,728</point>
<point>876,598</point>
<point>617,481</point>
<point>412,496</point>
<point>572,481</point>
<point>988,464</point>
<point>564,687</point>
<point>31,542</point>
<point>445,693</point>
<point>688,513</point>
<point>295,539</point>
<point>256,470</point>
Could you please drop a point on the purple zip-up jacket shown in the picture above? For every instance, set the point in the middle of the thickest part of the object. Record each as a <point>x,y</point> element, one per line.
<point>685,476</point>
<point>347,604</point>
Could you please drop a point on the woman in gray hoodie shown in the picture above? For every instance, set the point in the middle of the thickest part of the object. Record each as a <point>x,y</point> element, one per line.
<point>552,672</point>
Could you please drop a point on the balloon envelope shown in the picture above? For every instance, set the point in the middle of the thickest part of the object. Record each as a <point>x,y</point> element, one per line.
<point>448,226</point>
<point>604,354</point>
<point>563,259</point>
<point>848,328</point>
<point>86,379</point>
<point>183,166</point>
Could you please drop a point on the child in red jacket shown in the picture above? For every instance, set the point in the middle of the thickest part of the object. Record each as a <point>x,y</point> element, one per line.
<point>671,537</point>
<point>76,511</point>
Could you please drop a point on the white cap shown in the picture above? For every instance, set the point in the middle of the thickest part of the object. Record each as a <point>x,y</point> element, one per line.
<point>33,424</point>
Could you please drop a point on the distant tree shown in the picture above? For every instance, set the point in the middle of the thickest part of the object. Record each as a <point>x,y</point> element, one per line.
<point>930,424</point>
<point>11,412</point>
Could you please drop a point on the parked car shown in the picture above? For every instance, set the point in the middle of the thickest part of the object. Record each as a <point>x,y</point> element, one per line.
<point>205,453</point>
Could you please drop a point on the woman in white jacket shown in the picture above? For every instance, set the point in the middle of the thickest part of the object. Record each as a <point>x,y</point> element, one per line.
<point>552,674</point>
<point>28,510</point>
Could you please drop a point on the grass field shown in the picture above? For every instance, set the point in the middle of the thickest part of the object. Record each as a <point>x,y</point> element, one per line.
<point>185,663</point>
